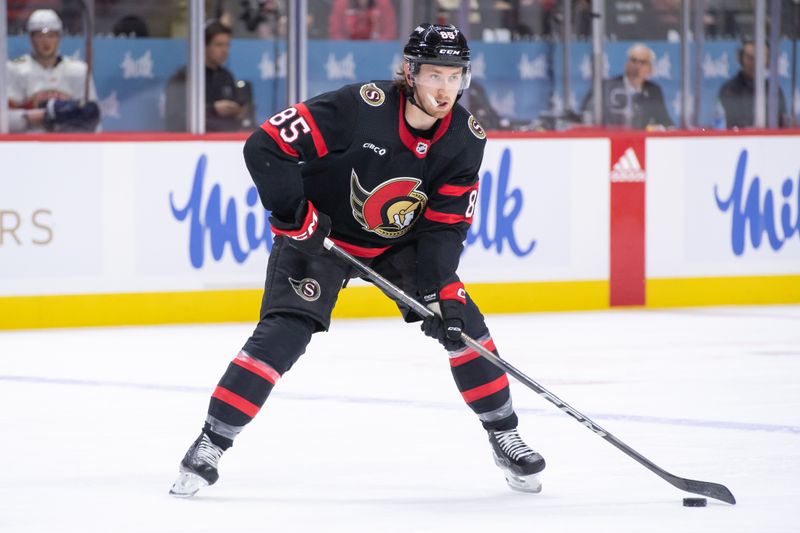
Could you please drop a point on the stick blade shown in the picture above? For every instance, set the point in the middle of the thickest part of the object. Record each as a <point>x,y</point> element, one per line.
<point>706,488</point>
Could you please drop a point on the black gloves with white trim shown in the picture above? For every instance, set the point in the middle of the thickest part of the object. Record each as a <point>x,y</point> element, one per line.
<point>449,308</point>
<point>307,231</point>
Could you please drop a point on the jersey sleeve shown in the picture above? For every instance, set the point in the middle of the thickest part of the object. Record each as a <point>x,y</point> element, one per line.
<point>299,134</point>
<point>310,130</point>
<point>445,221</point>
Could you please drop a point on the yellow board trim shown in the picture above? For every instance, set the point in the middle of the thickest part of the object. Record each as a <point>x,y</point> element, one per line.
<point>742,290</point>
<point>26,312</point>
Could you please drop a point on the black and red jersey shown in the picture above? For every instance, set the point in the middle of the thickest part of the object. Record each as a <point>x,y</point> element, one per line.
<point>352,154</point>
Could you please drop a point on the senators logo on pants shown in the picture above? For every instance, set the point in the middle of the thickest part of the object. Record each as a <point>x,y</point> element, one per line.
<point>307,288</point>
<point>391,208</point>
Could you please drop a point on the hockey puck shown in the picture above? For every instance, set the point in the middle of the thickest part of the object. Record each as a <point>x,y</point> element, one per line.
<point>694,502</point>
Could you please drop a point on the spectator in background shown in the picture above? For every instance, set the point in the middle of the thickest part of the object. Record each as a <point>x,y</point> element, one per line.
<point>18,11</point>
<point>130,26</point>
<point>583,19</point>
<point>221,10</point>
<point>736,96</point>
<point>46,91</point>
<point>632,100</point>
<point>362,20</point>
<point>547,16</point>
<point>265,17</point>
<point>227,109</point>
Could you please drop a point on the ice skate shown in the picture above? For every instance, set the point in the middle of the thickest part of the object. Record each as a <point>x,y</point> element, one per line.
<point>198,468</point>
<point>519,462</point>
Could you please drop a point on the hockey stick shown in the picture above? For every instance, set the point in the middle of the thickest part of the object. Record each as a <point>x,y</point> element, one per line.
<point>706,488</point>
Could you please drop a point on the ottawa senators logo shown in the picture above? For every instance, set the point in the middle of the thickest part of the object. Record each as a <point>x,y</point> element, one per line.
<point>372,94</point>
<point>390,209</point>
<point>307,288</point>
<point>476,129</point>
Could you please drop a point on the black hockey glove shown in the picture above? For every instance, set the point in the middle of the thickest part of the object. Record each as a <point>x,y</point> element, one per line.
<point>308,230</point>
<point>449,307</point>
<point>71,115</point>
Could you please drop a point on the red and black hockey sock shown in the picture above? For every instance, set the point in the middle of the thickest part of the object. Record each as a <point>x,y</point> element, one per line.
<point>484,387</point>
<point>238,397</point>
<point>251,375</point>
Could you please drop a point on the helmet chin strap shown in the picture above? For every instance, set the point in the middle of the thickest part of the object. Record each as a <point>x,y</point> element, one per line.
<point>410,95</point>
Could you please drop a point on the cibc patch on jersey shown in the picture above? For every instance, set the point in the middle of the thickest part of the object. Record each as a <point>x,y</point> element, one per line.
<point>391,208</point>
<point>372,94</point>
<point>476,128</point>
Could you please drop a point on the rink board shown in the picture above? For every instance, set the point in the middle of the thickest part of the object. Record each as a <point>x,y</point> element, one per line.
<point>136,230</point>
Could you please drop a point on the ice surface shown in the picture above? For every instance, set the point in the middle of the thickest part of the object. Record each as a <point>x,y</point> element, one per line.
<point>368,432</point>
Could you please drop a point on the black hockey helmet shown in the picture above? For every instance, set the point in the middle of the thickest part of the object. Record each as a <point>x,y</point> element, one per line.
<point>439,45</point>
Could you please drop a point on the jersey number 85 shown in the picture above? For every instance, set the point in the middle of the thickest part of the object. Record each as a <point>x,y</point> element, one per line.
<point>291,131</point>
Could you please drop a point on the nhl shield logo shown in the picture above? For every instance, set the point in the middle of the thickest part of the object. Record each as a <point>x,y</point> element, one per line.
<point>307,288</point>
<point>390,209</point>
<point>372,94</point>
<point>422,148</point>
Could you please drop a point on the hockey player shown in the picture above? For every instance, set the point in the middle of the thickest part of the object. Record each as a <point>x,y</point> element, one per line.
<point>387,170</point>
<point>45,90</point>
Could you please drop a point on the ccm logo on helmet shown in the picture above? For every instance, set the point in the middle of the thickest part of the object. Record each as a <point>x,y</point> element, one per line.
<point>449,52</point>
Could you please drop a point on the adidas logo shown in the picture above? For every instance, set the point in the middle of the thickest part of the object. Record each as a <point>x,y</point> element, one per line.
<point>628,167</point>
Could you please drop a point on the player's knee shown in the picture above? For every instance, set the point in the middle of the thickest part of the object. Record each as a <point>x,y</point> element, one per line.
<point>280,339</point>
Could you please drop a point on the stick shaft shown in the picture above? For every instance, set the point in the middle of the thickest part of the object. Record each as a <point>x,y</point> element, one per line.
<point>713,490</point>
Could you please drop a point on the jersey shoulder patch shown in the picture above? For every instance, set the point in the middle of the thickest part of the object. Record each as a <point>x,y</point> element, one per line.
<point>476,128</point>
<point>372,94</point>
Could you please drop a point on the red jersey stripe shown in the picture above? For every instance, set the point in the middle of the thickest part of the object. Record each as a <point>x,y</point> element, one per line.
<point>259,368</point>
<point>483,391</point>
<point>234,400</point>
<point>405,136</point>
<point>359,251</point>
<point>443,127</point>
<point>445,218</point>
<point>272,131</point>
<point>316,135</point>
<point>457,190</point>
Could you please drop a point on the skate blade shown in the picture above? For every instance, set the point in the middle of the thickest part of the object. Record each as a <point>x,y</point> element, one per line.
<point>187,485</point>
<point>529,483</point>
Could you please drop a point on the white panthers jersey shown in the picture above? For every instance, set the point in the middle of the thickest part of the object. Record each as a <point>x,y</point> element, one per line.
<point>30,84</point>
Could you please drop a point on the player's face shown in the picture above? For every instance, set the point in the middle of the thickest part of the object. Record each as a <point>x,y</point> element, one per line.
<point>45,44</point>
<point>217,49</point>
<point>437,88</point>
